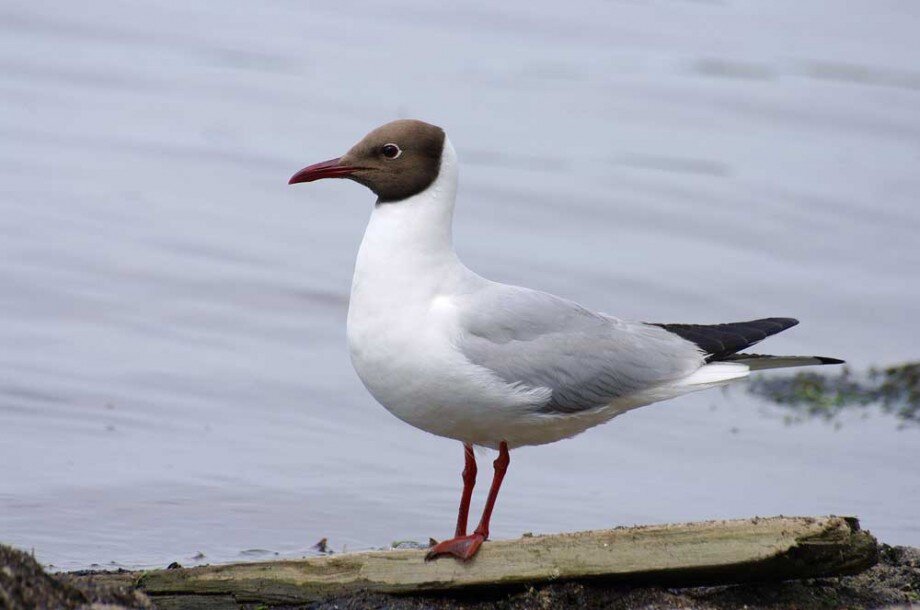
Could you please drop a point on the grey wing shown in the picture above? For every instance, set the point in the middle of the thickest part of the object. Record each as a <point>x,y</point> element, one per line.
<point>586,359</point>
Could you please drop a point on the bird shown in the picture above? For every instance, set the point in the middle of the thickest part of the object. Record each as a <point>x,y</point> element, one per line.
<point>495,365</point>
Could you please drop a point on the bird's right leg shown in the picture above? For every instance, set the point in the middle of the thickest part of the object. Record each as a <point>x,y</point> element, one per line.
<point>460,543</point>
<point>463,546</point>
<point>469,481</point>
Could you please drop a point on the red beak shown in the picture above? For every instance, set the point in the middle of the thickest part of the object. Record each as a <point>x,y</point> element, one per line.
<point>327,169</point>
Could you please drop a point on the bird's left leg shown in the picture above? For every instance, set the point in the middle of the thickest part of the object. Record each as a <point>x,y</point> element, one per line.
<point>501,467</point>
<point>463,547</point>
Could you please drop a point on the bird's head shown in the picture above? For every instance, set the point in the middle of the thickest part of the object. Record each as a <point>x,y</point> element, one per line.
<point>395,161</point>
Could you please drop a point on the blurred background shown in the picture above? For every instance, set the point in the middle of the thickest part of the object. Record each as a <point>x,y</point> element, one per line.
<point>174,380</point>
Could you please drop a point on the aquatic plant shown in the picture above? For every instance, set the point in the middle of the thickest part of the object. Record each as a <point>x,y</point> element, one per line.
<point>894,390</point>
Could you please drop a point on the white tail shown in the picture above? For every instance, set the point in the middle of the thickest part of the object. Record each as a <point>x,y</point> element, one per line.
<point>715,373</point>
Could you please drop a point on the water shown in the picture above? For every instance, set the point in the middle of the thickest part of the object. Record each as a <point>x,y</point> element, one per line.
<point>173,372</point>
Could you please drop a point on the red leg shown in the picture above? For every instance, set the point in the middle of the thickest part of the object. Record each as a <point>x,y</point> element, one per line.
<point>469,481</point>
<point>501,466</point>
<point>464,547</point>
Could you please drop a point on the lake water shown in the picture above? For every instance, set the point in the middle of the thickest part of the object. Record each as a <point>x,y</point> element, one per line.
<point>174,378</point>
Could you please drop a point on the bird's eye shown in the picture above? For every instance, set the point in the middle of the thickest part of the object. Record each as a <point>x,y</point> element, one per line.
<point>390,151</point>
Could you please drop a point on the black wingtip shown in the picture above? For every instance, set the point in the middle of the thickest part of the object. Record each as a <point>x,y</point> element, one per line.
<point>718,341</point>
<point>826,360</point>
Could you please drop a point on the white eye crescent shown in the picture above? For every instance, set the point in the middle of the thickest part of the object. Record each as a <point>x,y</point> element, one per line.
<point>391,151</point>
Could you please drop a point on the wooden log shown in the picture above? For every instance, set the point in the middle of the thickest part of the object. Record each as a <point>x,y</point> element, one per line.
<point>713,552</point>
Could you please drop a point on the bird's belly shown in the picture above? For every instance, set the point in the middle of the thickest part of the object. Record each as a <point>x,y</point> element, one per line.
<point>429,385</point>
<point>410,366</point>
<point>413,379</point>
<point>407,360</point>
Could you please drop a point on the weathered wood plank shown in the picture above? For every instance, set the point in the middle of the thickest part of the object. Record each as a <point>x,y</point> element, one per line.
<point>776,548</point>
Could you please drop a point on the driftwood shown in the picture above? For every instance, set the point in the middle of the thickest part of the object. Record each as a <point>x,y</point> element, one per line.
<point>714,552</point>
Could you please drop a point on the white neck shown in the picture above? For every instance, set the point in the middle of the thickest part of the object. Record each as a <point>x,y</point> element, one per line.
<point>409,240</point>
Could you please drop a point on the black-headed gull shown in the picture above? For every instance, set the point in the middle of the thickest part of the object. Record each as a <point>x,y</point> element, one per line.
<point>490,364</point>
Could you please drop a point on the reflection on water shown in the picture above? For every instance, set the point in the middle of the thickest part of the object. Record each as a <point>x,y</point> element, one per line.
<point>173,373</point>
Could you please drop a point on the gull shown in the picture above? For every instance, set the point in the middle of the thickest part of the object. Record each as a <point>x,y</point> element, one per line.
<point>490,364</point>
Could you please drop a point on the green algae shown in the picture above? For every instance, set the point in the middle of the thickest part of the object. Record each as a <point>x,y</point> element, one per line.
<point>808,395</point>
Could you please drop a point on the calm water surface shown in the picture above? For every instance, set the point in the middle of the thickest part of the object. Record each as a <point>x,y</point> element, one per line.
<point>173,371</point>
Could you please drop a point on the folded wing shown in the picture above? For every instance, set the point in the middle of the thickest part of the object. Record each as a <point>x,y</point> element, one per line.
<point>586,359</point>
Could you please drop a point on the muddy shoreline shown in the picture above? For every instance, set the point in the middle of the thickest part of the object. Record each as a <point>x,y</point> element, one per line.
<point>895,581</point>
